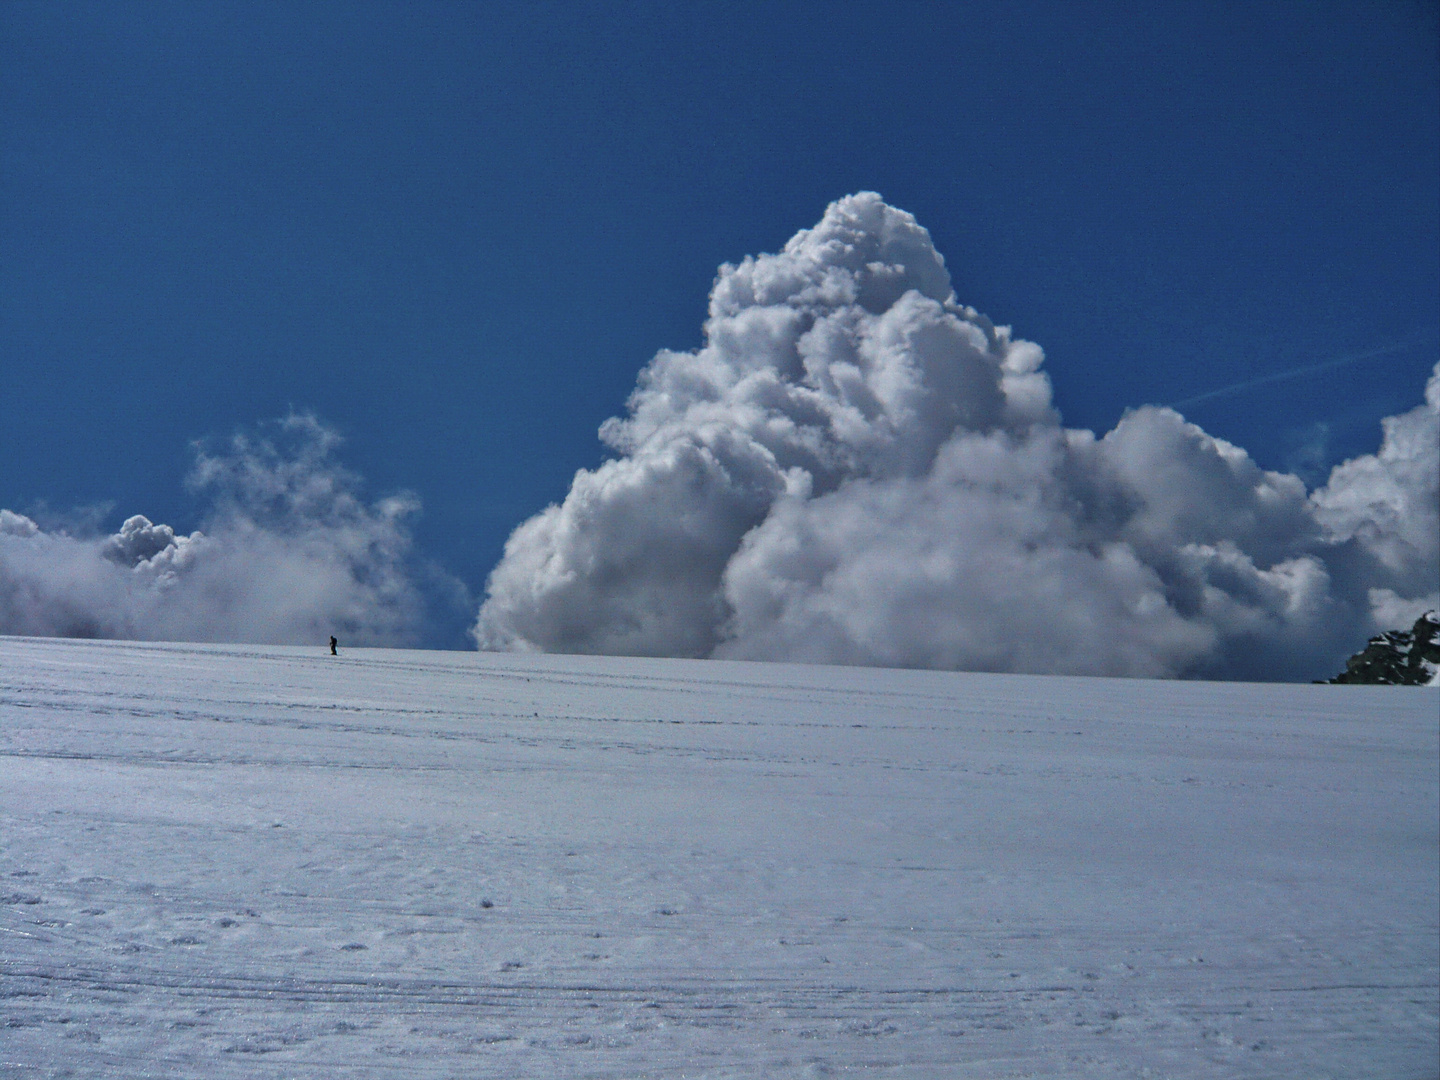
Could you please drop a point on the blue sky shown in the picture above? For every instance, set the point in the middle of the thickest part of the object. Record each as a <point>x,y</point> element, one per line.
<point>457,232</point>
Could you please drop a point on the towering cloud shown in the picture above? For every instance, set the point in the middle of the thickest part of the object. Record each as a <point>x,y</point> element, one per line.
<point>290,554</point>
<point>856,468</point>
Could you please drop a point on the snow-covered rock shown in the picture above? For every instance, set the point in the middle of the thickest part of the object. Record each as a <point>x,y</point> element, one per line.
<point>1398,657</point>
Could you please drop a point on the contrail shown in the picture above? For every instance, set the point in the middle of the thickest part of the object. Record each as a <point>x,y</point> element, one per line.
<point>1295,373</point>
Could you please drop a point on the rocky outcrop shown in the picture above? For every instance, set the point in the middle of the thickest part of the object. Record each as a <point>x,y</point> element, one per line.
<point>1398,657</point>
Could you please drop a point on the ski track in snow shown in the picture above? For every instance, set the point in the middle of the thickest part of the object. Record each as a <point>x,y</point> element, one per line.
<point>228,861</point>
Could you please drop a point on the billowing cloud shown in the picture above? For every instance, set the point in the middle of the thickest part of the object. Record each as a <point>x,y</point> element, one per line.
<point>290,554</point>
<point>856,468</point>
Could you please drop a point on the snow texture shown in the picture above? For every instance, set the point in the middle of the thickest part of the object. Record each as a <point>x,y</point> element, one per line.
<point>857,468</point>
<point>264,862</point>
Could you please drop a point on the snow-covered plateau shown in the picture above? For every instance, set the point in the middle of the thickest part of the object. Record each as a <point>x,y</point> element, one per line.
<point>243,861</point>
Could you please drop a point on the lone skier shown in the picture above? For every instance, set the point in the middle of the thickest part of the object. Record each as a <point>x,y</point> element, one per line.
<point>333,643</point>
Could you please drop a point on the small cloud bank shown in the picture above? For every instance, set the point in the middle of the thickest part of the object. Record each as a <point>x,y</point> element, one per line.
<point>289,555</point>
<point>856,468</point>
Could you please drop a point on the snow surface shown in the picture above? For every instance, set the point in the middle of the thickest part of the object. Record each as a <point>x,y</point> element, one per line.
<point>222,861</point>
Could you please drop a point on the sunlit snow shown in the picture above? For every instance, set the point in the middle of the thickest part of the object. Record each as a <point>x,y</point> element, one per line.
<point>227,862</point>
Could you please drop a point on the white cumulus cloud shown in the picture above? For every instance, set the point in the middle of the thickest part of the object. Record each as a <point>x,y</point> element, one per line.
<point>289,554</point>
<point>857,468</point>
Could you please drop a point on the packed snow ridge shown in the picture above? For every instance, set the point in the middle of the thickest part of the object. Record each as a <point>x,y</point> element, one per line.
<point>266,863</point>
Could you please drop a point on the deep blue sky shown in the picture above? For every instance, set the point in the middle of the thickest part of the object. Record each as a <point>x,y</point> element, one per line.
<point>458,231</point>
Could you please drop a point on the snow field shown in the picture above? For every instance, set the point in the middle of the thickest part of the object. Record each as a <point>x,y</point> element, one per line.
<point>232,861</point>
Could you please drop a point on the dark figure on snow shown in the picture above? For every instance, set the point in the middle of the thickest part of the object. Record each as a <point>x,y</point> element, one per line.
<point>333,643</point>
